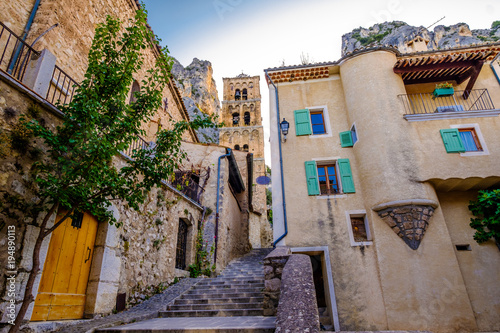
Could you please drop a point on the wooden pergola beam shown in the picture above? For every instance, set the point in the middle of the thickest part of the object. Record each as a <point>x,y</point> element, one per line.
<point>475,73</point>
<point>437,66</point>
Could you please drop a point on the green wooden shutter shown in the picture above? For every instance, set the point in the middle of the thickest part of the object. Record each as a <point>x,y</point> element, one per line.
<point>346,175</point>
<point>346,139</point>
<point>312,178</point>
<point>302,122</point>
<point>452,141</point>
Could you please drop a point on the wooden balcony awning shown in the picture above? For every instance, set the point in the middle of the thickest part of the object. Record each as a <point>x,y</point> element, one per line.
<point>457,64</point>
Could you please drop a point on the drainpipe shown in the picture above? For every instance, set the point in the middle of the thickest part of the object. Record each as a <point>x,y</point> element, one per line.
<point>217,205</point>
<point>25,34</point>
<point>281,161</point>
<point>493,68</point>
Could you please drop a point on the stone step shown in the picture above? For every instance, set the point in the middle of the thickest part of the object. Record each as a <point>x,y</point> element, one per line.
<point>219,282</point>
<point>220,306</point>
<point>242,289</point>
<point>248,324</point>
<point>225,286</point>
<point>220,300</point>
<point>221,295</point>
<point>212,313</point>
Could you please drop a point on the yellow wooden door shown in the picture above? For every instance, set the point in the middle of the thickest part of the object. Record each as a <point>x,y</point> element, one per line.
<point>61,294</point>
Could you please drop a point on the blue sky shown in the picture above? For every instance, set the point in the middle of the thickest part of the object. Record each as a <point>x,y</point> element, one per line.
<point>251,35</point>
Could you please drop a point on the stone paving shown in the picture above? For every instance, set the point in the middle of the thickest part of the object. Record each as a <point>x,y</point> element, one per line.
<point>254,324</point>
<point>146,310</point>
<point>232,302</point>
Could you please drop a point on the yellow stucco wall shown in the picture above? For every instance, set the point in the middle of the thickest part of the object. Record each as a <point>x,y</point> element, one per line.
<point>480,267</point>
<point>388,285</point>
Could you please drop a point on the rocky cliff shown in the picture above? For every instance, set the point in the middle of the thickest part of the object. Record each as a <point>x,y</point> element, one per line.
<point>199,92</point>
<point>398,33</point>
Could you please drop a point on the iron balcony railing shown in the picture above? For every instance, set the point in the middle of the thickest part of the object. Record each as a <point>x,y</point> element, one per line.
<point>62,87</point>
<point>139,143</point>
<point>424,103</point>
<point>15,54</point>
<point>183,181</point>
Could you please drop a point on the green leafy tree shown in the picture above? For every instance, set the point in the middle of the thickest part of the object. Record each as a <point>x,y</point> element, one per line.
<point>77,172</point>
<point>486,210</point>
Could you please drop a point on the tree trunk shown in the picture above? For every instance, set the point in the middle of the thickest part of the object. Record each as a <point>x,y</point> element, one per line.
<point>28,297</point>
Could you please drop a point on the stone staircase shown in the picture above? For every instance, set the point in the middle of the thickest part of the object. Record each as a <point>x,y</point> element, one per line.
<point>236,292</point>
<point>231,302</point>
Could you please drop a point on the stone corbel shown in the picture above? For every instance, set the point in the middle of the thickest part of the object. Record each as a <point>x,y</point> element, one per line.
<point>409,219</point>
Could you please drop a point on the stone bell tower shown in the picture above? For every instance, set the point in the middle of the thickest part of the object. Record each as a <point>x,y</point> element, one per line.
<point>243,129</point>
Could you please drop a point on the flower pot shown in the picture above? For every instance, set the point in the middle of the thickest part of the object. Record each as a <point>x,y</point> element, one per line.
<point>439,92</point>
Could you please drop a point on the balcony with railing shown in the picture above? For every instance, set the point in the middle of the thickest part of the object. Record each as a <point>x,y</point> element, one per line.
<point>22,62</point>
<point>185,182</point>
<point>459,103</point>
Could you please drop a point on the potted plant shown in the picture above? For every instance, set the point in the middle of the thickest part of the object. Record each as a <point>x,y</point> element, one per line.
<point>443,89</point>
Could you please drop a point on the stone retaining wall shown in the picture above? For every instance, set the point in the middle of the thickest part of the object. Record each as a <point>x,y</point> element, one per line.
<point>297,310</point>
<point>273,268</point>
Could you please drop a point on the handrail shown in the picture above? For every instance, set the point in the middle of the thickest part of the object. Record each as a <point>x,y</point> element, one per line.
<point>424,103</point>
<point>15,53</point>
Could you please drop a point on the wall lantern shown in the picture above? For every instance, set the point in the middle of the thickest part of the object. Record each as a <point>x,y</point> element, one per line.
<point>284,128</point>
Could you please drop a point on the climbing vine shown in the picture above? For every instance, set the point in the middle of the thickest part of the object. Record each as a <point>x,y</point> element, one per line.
<point>203,264</point>
<point>486,222</point>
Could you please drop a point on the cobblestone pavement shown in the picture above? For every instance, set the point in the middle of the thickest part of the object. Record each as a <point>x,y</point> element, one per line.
<point>146,310</point>
<point>199,324</point>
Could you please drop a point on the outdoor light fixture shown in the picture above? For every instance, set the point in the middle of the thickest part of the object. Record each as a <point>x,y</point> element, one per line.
<point>284,125</point>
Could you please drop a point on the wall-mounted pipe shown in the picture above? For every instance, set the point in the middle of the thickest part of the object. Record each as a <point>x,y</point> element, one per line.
<point>493,68</point>
<point>281,161</point>
<point>217,203</point>
<point>25,34</point>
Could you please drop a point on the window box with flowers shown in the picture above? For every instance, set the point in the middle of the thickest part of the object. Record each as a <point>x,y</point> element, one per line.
<point>443,89</point>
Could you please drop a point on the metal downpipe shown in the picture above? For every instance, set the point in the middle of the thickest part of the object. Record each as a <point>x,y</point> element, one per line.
<point>281,161</point>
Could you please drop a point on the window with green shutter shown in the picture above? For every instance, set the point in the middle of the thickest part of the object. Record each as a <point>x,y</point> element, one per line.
<point>346,175</point>
<point>302,122</point>
<point>312,178</point>
<point>346,139</point>
<point>452,141</point>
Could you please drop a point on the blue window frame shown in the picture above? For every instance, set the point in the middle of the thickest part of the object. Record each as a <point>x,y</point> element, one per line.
<point>469,139</point>
<point>318,122</point>
<point>327,176</point>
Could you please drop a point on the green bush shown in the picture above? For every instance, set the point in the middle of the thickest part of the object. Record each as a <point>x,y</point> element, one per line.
<point>486,210</point>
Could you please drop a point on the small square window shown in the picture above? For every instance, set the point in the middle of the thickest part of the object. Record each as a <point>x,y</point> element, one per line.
<point>328,181</point>
<point>318,122</point>
<point>359,230</point>
<point>469,139</point>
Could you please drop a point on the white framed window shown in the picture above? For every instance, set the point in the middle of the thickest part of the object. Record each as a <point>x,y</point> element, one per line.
<point>358,227</point>
<point>329,177</point>
<point>473,139</point>
<point>320,121</point>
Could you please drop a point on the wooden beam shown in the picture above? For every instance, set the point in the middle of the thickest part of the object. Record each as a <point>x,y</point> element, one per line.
<point>431,79</point>
<point>443,65</point>
<point>473,78</point>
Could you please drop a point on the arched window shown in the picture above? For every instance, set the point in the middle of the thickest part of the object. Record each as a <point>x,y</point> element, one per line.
<point>237,147</point>
<point>135,88</point>
<point>236,119</point>
<point>237,95</point>
<point>244,94</point>
<point>245,147</point>
<point>247,118</point>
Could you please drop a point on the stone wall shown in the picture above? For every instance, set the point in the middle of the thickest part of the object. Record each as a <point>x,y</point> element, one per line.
<point>70,42</point>
<point>273,270</point>
<point>15,14</point>
<point>297,310</point>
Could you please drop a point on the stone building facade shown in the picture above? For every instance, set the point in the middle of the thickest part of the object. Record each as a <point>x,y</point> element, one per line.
<point>242,130</point>
<point>154,245</point>
<point>378,170</point>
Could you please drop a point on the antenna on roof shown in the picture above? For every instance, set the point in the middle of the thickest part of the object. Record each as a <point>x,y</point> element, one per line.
<point>442,18</point>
